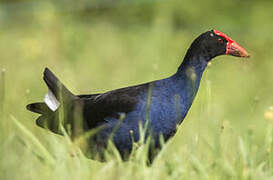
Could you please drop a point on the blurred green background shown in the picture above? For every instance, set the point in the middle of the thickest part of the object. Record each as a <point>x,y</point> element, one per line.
<point>99,45</point>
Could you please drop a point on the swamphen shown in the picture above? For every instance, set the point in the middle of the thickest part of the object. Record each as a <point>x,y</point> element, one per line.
<point>160,105</point>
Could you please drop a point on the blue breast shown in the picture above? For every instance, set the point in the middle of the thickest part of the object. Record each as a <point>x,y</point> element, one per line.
<point>164,105</point>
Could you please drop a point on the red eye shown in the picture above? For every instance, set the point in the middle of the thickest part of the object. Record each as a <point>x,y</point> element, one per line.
<point>220,41</point>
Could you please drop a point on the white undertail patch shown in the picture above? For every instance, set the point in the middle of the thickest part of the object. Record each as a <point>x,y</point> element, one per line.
<point>51,101</point>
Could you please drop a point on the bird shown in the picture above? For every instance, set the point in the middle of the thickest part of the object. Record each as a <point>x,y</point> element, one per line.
<point>118,115</point>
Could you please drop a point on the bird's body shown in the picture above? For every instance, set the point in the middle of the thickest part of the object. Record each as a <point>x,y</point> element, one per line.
<point>161,104</point>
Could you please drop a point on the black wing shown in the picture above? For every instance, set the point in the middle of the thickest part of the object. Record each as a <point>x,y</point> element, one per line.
<point>87,96</point>
<point>97,107</point>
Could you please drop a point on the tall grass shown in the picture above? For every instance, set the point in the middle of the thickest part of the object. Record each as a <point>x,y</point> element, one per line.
<point>2,92</point>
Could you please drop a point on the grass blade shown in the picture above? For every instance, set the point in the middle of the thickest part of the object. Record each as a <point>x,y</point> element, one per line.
<point>29,134</point>
<point>2,92</point>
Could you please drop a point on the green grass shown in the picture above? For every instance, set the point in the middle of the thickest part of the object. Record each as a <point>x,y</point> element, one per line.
<point>226,135</point>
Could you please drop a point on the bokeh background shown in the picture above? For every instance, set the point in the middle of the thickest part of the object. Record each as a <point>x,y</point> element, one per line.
<point>99,45</point>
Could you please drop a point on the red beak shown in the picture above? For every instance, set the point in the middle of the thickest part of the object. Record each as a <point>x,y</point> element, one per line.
<point>234,49</point>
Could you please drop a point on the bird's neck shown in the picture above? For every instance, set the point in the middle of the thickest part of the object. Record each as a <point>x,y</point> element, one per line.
<point>195,59</point>
<point>190,73</point>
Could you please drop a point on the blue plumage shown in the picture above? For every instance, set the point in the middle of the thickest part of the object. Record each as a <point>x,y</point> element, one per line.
<point>170,100</point>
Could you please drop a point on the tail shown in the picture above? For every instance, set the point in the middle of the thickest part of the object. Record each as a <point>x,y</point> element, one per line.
<point>39,107</point>
<point>57,93</point>
<point>56,87</point>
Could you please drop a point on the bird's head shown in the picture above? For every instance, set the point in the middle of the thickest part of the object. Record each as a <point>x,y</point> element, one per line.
<point>227,45</point>
<point>214,43</point>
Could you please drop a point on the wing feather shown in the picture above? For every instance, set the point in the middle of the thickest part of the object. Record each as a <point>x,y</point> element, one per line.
<point>111,104</point>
